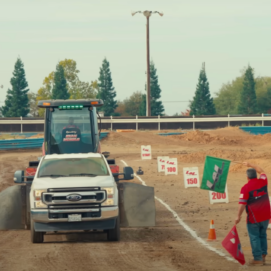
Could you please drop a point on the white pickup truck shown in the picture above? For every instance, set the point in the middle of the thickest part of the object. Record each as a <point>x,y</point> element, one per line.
<point>74,192</point>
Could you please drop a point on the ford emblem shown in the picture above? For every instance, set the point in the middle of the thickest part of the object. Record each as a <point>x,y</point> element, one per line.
<point>74,197</point>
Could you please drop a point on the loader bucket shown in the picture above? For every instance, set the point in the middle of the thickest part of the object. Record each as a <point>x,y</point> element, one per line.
<point>137,205</point>
<point>13,208</point>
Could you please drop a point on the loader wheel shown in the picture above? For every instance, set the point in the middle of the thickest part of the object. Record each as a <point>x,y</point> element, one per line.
<point>36,237</point>
<point>114,234</point>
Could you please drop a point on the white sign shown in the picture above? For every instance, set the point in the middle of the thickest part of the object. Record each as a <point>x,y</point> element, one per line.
<point>171,166</point>
<point>191,177</point>
<point>216,197</point>
<point>161,163</point>
<point>146,152</point>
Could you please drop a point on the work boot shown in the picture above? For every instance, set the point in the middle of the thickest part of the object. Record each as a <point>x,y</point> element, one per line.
<point>256,263</point>
<point>263,258</point>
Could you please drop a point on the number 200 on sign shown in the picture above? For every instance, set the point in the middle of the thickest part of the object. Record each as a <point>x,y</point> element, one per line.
<point>216,195</point>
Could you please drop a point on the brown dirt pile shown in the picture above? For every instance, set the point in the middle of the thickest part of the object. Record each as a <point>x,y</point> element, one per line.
<point>264,164</point>
<point>205,138</point>
<point>135,139</point>
<point>10,161</point>
<point>233,155</point>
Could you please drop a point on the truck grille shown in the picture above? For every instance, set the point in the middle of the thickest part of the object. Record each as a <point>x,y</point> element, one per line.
<point>61,196</point>
<point>88,204</point>
<point>75,189</point>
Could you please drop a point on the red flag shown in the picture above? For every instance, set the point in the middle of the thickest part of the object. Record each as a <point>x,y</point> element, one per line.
<point>232,244</point>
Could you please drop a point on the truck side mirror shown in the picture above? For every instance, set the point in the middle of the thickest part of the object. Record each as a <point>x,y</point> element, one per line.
<point>128,173</point>
<point>19,176</point>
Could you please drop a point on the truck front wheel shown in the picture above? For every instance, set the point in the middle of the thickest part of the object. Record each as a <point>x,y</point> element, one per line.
<point>114,234</point>
<point>36,237</point>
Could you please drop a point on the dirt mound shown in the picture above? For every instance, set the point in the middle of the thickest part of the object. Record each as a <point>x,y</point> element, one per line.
<point>136,139</point>
<point>118,139</point>
<point>263,163</point>
<point>233,155</point>
<point>205,138</point>
<point>10,161</point>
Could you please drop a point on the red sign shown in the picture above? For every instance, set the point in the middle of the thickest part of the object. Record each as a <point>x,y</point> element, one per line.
<point>232,244</point>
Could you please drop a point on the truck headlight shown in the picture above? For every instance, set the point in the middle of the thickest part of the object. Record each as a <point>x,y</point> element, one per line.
<point>108,202</point>
<point>40,204</point>
<point>37,198</point>
<point>110,196</point>
<point>109,190</point>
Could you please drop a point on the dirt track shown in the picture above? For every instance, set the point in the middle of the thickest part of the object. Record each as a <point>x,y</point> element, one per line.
<point>167,246</point>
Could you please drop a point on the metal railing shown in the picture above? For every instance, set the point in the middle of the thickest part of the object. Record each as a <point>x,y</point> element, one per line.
<point>110,121</point>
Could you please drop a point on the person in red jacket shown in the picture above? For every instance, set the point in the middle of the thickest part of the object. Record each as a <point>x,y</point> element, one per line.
<point>254,198</point>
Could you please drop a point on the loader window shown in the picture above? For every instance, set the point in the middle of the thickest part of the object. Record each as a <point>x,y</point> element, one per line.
<point>69,131</point>
<point>69,167</point>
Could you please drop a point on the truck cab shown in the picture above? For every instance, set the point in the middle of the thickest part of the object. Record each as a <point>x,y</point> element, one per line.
<point>71,126</point>
<point>75,192</point>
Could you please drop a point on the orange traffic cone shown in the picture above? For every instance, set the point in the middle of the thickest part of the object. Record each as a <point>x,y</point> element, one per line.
<point>212,235</point>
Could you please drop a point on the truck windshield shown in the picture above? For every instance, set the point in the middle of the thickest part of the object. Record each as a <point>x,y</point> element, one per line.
<point>68,167</point>
<point>69,131</point>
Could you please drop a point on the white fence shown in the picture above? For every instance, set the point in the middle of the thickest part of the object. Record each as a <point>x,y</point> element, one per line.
<point>194,120</point>
<point>229,120</point>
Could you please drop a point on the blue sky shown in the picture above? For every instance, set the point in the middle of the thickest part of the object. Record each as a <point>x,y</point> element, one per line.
<point>226,35</point>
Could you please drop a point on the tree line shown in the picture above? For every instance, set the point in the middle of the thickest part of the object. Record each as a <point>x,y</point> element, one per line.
<point>64,83</point>
<point>245,95</point>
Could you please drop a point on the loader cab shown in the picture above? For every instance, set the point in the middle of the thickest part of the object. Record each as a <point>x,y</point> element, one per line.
<point>71,126</point>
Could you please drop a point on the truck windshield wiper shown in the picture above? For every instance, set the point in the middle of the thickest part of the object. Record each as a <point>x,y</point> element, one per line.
<point>52,176</point>
<point>83,174</point>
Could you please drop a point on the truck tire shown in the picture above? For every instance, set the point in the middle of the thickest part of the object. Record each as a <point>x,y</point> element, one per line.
<point>36,237</point>
<point>114,234</point>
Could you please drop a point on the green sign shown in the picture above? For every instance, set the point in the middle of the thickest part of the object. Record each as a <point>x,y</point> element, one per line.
<point>215,174</point>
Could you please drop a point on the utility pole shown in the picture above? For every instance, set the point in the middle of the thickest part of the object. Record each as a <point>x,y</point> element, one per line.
<point>148,101</point>
<point>148,14</point>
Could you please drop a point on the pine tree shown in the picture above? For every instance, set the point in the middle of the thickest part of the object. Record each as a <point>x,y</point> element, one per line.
<point>106,90</point>
<point>16,103</point>
<point>157,107</point>
<point>60,89</point>
<point>248,100</point>
<point>142,108</point>
<point>202,103</point>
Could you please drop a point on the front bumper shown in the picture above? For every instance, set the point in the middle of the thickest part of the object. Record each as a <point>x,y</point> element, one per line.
<point>42,215</point>
<point>106,224</point>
